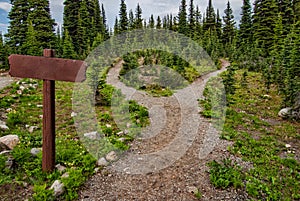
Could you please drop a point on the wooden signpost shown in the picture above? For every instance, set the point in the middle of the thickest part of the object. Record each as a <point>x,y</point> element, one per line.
<point>48,69</point>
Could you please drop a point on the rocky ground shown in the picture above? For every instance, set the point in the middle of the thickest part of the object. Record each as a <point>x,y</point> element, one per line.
<point>169,160</point>
<point>5,80</point>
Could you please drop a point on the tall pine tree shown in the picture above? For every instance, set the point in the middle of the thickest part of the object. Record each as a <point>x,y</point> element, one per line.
<point>158,23</point>
<point>84,29</point>
<point>151,22</point>
<point>218,25</point>
<point>182,18</point>
<point>123,22</point>
<point>229,23</point>
<point>285,7</point>
<point>296,9</point>
<point>42,23</point>
<point>131,20</point>
<point>18,27</point>
<point>245,31</point>
<point>264,20</point>
<point>138,17</point>
<point>32,45</point>
<point>3,53</point>
<point>192,19</point>
<point>68,48</point>
<point>209,23</point>
<point>70,17</point>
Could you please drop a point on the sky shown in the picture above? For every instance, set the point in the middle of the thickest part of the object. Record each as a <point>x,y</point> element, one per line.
<point>155,7</point>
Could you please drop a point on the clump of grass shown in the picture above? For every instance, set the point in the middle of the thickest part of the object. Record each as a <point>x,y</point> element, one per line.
<point>224,175</point>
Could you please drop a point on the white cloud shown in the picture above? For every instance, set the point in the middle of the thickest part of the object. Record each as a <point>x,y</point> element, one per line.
<point>5,6</point>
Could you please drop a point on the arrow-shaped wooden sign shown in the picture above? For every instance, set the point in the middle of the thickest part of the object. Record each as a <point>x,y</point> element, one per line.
<point>49,70</point>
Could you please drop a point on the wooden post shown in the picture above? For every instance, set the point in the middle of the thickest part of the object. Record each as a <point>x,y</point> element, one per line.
<point>48,163</point>
<point>49,70</point>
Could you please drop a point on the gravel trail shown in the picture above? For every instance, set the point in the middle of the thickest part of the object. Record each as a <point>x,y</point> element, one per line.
<point>168,161</point>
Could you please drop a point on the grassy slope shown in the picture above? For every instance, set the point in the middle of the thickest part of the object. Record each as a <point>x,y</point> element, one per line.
<point>262,139</point>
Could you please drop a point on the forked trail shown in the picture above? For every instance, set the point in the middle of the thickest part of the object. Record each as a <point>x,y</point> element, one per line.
<point>168,161</point>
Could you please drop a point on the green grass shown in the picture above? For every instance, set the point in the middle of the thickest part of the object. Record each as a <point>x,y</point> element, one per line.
<point>70,152</point>
<point>259,138</point>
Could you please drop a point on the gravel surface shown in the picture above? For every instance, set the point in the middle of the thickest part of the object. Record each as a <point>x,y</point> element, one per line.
<point>5,80</point>
<point>168,161</point>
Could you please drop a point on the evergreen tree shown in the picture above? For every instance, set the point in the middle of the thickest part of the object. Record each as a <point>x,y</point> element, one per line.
<point>296,10</point>
<point>218,25</point>
<point>182,18</point>
<point>138,17</point>
<point>171,24</point>
<point>246,22</point>
<point>209,23</point>
<point>98,40</point>
<point>131,22</point>
<point>276,52</point>
<point>98,21</point>
<point>192,19</point>
<point>286,9</point>
<point>105,27</point>
<point>198,26</point>
<point>1,50</point>
<point>32,45</point>
<point>229,23</point>
<point>3,54</point>
<point>123,26</point>
<point>151,22</point>
<point>158,23</point>
<point>70,18</point>
<point>292,67</point>
<point>68,48</point>
<point>18,27</point>
<point>42,23</point>
<point>59,44</point>
<point>116,26</point>
<point>264,20</point>
<point>84,29</point>
<point>165,22</point>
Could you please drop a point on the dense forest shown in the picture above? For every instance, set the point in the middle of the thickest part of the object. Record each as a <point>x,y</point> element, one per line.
<point>267,38</point>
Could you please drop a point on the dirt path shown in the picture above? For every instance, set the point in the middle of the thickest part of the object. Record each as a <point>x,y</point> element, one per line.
<point>5,80</point>
<point>168,161</point>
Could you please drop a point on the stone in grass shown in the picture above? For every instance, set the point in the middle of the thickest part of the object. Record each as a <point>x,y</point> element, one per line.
<point>11,141</point>
<point>32,128</point>
<point>92,135</point>
<point>288,146</point>
<point>102,162</point>
<point>73,114</point>
<point>58,188</point>
<point>35,151</point>
<point>122,139</point>
<point>60,167</point>
<point>111,156</point>
<point>3,126</point>
<point>285,112</point>
<point>65,175</point>
<point>120,133</point>
<point>9,162</point>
